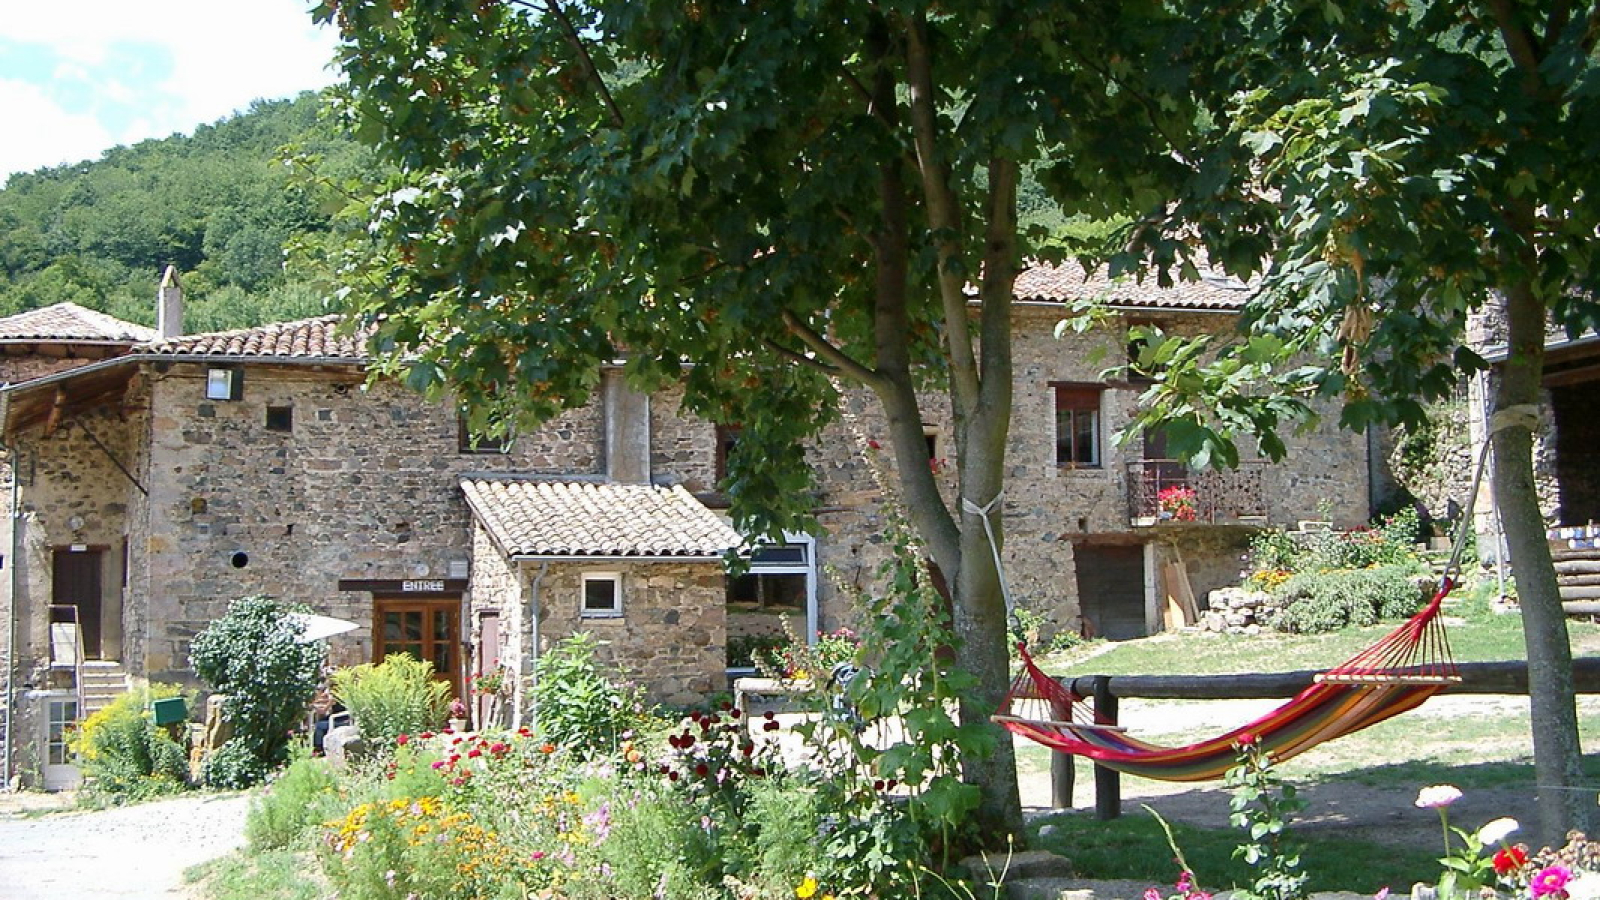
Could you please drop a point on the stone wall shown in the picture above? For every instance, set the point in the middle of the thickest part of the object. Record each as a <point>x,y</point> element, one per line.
<point>496,583</point>
<point>364,486</point>
<point>671,633</point>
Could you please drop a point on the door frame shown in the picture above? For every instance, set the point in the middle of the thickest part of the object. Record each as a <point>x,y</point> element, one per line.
<point>382,603</point>
<point>99,553</point>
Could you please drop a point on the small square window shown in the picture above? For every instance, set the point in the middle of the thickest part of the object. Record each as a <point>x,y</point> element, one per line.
<point>467,442</point>
<point>1078,425</point>
<point>602,594</point>
<point>224,384</point>
<point>280,418</point>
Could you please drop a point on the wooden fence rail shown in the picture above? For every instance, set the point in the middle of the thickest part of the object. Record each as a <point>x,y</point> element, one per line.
<point>1107,690</point>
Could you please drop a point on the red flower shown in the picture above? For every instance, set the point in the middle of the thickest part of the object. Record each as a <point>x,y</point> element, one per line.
<point>1247,740</point>
<point>547,749</point>
<point>403,739</point>
<point>1510,860</point>
<point>873,443</point>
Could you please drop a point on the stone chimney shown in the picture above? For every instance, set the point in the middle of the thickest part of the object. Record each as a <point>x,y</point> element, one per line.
<point>627,434</point>
<point>169,305</point>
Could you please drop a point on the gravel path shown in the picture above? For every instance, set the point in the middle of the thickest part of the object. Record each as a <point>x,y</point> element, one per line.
<point>137,851</point>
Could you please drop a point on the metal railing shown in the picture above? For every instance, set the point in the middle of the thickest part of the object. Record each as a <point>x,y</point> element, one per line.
<point>1218,496</point>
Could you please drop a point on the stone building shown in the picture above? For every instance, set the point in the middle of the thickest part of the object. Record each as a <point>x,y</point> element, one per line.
<point>153,487</point>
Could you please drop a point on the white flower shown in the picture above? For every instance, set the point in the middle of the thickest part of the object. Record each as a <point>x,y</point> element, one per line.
<point>1496,831</point>
<point>1438,796</point>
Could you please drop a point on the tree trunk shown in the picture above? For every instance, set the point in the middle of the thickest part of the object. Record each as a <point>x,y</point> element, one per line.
<point>1556,751</point>
<point>980,623</point>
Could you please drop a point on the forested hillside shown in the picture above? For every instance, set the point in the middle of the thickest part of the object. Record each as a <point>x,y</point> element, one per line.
<point>217,204</point>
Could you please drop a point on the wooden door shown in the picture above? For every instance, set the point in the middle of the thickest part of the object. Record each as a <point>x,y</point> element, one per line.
<point>75,581</point>
<point>428,629</point>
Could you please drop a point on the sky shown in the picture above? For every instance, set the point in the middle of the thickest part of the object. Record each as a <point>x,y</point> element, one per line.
<point>78,77</point>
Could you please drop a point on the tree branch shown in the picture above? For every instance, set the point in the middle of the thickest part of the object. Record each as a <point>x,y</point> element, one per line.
<point>1519,44</point>
<point>555,9</point>
<point>841,361</point>
<point>798,358</point>
<point>944,216</point>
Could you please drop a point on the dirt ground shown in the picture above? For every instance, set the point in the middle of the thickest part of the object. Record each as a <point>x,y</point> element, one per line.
<point>138,851</point>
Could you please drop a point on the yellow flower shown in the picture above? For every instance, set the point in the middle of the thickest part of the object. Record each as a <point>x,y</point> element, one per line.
<point>807,888</point>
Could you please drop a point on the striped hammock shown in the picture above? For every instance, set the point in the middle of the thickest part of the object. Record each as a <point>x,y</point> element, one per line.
<point>1396,674</point>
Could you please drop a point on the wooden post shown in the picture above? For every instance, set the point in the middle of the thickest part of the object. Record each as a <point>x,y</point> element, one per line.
<point>1107,782</point>
<point>1062,777</point>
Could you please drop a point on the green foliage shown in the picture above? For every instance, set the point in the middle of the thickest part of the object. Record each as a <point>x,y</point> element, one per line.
<point>1025,627</point>
<point>397,696</point>
<point>216,204</point>
<point>656,848</point>
<point>746,650</point>
<point>1263,805</point>
<point>288,814</point>
<point>576,706</point>
<point>1329,600</point>
<point>125,754</point>
<point>252,655</point>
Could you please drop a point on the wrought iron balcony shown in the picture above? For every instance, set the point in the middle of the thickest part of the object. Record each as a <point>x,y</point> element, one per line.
<point>1218,496</point>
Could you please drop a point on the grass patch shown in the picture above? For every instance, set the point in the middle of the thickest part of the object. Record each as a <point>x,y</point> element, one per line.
<point>278,874</point>
<point>1486,638</point>
<point>1133,847</point>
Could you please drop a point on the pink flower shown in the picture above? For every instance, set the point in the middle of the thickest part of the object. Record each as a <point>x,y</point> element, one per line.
<point>1551,881</point>
<point>1152,894</point>
<point>1437,796</point>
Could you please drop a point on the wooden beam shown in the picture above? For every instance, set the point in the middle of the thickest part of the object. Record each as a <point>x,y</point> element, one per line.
<point>57,405</point>
<point>1476,678</point>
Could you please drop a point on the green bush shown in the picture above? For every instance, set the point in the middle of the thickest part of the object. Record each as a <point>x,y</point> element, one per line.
<point>397,696</point>
<point>252,655</point>
<point>656,848</point>
<point>1327,601</point>
<point>126,753</point>
<point>575,706</point>
<point>291,812</point>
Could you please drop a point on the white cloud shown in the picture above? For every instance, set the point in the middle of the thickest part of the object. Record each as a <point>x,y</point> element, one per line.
<point>41,133</point>
<point>206,59</point>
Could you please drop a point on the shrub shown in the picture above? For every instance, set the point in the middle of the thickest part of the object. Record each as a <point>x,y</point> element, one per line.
<point>397,696</point>
<point>300,800</point>
<point>253,656</point>
<point>747,650</point>
<point>1327,601</point>
<point>126,753</point>
<point>577,707</point>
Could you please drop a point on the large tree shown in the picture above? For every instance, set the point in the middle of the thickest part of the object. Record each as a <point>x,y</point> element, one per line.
<point>1404,165</point>
<point>788,196</point>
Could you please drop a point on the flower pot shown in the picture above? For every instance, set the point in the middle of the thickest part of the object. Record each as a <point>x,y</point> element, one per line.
<point>458,724</point>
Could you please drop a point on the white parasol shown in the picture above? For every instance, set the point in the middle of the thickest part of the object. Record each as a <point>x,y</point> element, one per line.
<point>319,627</point>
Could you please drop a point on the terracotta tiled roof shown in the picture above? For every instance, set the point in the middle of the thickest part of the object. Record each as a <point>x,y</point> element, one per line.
<point>319,338</point>
<point>1066,282</point>
<point>533,517</point>
<point>69,322</point>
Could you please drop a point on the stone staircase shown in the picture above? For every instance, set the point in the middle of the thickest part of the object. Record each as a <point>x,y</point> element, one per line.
<point>103,682</point>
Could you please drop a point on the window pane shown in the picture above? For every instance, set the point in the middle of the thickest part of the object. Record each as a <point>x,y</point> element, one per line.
<point>441,657</point>
<point>1063,437</point>
<point>600,595</point>
<point>391,627</point>
<point>441,625</point>
<point>1086,439</point>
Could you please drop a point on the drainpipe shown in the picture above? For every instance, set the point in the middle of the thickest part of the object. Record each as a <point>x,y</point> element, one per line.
<point>11,617</point>
<point>530,652</point>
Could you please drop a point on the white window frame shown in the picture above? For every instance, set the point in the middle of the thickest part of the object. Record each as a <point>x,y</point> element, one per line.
<point>583,596</point>
<point>806,567</point>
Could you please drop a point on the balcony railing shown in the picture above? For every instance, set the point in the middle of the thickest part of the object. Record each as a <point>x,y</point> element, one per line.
<point>1219,496</point>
